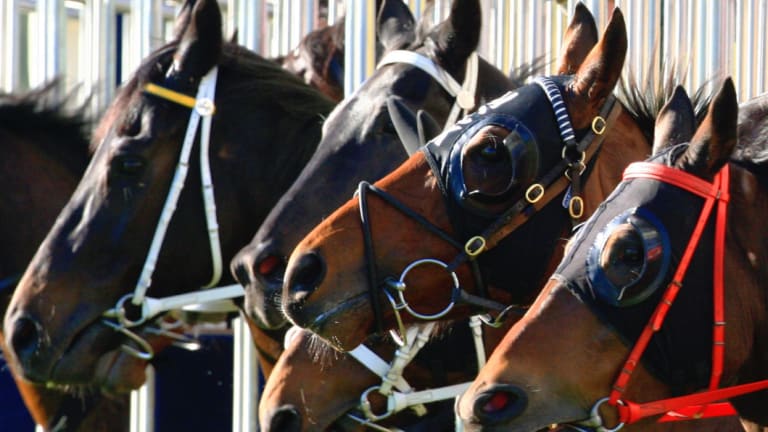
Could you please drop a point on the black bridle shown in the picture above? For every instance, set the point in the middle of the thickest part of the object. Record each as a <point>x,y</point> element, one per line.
<point>577,156</point>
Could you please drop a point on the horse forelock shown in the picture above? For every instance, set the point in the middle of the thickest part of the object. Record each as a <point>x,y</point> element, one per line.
<point>643,101</point>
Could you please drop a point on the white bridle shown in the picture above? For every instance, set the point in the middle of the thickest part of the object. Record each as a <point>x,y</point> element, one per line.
<point>203,109</point>
<point>399,394</point>
<point>464,93</point>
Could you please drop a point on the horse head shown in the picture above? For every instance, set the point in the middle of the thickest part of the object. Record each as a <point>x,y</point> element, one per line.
<point>360,140</point>
<point>630,305</point>
<point>503,168</point>
<point>93,260</point>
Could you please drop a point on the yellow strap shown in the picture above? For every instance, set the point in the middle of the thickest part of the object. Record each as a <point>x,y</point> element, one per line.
<point>173,96</point>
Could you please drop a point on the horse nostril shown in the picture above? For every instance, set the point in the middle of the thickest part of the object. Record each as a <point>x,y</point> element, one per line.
<point>306,274</point>
<point>500,404</point>
<point>271,267</point>
<point>24,337</point>
<point>285,419</point>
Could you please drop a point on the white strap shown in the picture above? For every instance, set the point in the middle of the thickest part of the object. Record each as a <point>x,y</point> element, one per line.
<point>399,401</point>
<point>463,93</point>
<point>203,107</point>
<point>375,364</point>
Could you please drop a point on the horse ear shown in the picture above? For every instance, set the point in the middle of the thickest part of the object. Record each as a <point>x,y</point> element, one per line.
<point>598,74</point>
<point>201,42</point>
<point>234,37</point>
<point>428,127</point>
<point>395,25</point>
<point>580,37</point>
<point>458,36</point>
<point>675,123</point>
<point>182,19</point>
<point>405,122</point>
<point>716,138</point>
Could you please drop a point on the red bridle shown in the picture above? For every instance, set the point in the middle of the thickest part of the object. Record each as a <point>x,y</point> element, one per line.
<point>700,404</point>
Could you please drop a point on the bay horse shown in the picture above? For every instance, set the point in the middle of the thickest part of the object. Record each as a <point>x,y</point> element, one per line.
<point>661,294</point>
<point>340,277</point>
<point>66,319</point>
<point>43,154</point>
<point>287,401</point>
<point>361,142</point>
<point>305,394</point>
<point>319,60</point>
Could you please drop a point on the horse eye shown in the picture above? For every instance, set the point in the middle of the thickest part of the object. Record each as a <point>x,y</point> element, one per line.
<point>491,152</point>
<point>129,164</point>
<point>623,256</point>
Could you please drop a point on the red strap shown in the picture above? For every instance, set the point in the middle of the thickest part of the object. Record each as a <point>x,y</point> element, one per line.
<point>695,412</point>
<point>698,405</point>
<point>631,412</point>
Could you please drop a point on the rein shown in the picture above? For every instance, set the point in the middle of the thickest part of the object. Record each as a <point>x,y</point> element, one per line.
<point>145,307</point>
<point>714,193</point>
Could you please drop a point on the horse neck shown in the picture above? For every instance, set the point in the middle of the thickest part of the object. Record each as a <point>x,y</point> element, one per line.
<point>624,143</point>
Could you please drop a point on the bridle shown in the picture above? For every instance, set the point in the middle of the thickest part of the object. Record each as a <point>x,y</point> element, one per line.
<point>567,173</point>
<point>134,309</point>
<point>698,405</point>
<point>575,156</point>
<point>400,395</point>
<point>464,93</point>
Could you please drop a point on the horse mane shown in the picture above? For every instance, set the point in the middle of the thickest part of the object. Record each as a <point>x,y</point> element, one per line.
<point>643,102</point>
<point>271,84</point>
<point>41,111</point>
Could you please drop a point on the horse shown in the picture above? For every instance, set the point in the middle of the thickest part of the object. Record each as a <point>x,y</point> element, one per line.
<point>286,391</point>
<point>414,219</point>
<point>319,60</point>
<point>661,293</point>
<point>264,124</point>
<point>44,153</point>
<point>360,140</point>
<point>286,401</point>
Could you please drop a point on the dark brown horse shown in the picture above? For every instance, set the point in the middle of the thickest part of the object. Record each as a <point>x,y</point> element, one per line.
<point>639,278</point>
<point>319,60</point>
<point>335,282</point>
<point>43,154</point>
<point>264,125</point>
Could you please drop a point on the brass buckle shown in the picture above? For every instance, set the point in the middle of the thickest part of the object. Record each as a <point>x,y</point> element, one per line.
<point>598,125</point>
<point>534,193</point>
<point>576,211</point>
<point>474,246</point>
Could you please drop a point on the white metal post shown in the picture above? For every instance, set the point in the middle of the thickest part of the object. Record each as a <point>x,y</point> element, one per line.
<point>359,48</point>
<point>143,404</point>
<point>249,18</point>
<point>51,42</point>
<point>146,31</point>
<point>98,48</point>
<point>245,376</point>
<point>9,68</point>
